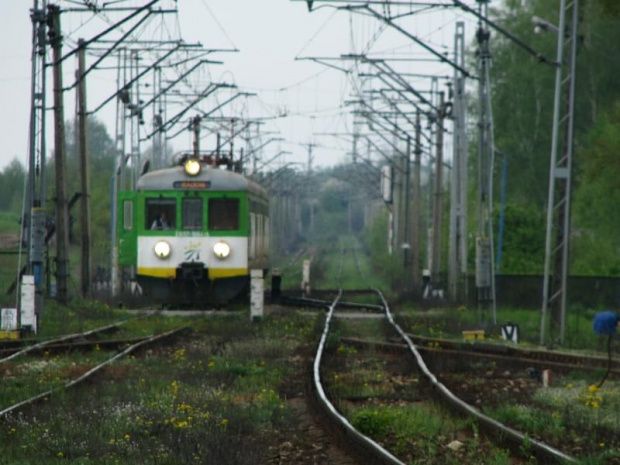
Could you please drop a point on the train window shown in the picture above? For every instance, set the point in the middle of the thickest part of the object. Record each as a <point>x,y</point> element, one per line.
<point>192,214</point>
<point>128,215</point>
<point>223,214</point>
<point>160,214</point>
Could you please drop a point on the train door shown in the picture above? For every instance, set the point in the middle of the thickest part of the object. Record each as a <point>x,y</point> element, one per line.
<point>127,229</point>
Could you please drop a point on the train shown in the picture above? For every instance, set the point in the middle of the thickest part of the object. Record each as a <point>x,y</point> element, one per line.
<point>191,233</point>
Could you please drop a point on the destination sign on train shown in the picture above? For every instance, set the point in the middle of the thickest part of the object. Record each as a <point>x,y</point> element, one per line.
<point>191,184</point>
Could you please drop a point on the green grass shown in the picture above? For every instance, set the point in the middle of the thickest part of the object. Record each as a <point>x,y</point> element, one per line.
<point>9,223</point>
<point>9,226</point>
<point>371,329</point>
<point>214,398</point>
<point>421,433</point>
<point>23,379</point>
<point>30,375</point>
<point>326,271</point>
<point>8,271</point>
<point>450,322</point>
<point>342,270</point>
<point>363,377</point>
<point>79,316</point>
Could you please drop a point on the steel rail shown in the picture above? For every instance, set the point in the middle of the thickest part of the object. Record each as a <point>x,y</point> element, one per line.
<point>65,338</point>
<point>306,301</point>
<point>81,345</point>
<point>478,354</point>
<point>495,426</point>
<point>90,372</point>
<point>373,452</point>
<point>592,361</point>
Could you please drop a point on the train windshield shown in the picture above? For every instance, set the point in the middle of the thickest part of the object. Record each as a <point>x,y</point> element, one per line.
<point>160,214</point>
<point>224,214</point>
<point>192,214</point>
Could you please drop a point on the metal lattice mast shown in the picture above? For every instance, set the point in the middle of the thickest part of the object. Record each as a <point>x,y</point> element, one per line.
<point>485,279</point>
<point>457,262</point>
<point>436,257</point>
<point>36,159</point>
<point>558,208</point>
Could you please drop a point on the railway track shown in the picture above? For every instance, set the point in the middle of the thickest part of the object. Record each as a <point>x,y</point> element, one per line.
<point>134,344</point>
<point>562,361</point>
<point>502,370</point>
<point>370,451</point>
<point>12,351</point>
<point>557,358</point>
<point>440,350</point>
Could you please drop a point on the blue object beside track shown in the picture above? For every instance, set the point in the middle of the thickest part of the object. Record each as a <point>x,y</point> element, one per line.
<point>605,323</point>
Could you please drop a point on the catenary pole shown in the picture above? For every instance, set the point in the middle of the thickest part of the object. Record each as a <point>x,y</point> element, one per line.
<point>85,216</point>
<point>416,212</point>
<point>560,175</point>
<point>438,196</point>
<point>62,214</point>
<point>457,262</point>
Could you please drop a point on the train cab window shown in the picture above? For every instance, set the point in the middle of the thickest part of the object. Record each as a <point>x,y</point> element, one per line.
<point>223,214</point>
<point>192,214</point>
<point>160,214</point>
<point>127,215</point>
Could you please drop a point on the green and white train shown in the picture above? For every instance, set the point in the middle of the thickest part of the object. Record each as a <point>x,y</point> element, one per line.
<point>193,232</point>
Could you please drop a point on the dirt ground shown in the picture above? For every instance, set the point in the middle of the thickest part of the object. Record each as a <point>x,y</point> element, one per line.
<point>8,242</point>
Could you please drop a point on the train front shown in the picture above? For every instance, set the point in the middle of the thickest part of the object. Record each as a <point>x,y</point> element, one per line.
<point>185,230</point>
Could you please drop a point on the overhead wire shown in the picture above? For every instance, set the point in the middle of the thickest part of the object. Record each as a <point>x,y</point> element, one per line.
<point>204,3</point>
<point>323,26</point>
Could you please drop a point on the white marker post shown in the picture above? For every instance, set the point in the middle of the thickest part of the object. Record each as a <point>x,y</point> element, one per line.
<point>257,294</point>
<point>305,280</point>
<point>27,310</point>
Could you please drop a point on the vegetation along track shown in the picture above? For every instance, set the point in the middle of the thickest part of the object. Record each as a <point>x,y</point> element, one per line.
<point>370,451</point>
<point>62,376</point>
<point>541,359</point>
<point>94,338</point>
<point>13,349</point>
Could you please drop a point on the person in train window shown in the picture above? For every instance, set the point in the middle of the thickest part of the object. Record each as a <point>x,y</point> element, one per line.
<point>161,222</point>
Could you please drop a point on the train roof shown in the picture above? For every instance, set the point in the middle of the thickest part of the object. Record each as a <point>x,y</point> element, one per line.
<point>210,178</point>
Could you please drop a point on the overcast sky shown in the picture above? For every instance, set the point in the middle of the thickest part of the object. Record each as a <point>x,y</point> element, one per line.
<point>303,98</point>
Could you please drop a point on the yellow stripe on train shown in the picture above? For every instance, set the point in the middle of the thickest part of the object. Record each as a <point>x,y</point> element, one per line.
<point>158,272</point>
<point>217,273</point>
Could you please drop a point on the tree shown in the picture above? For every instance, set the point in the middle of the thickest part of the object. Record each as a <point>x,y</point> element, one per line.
<point>12,180</point>
<point>102,155</point>
<point>522,102</point>
<point>596,213</point>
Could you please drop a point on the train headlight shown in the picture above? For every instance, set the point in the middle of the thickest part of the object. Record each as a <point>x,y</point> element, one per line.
<point>192,167</point>
<point>162,250</point>
<point>221,250</point>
